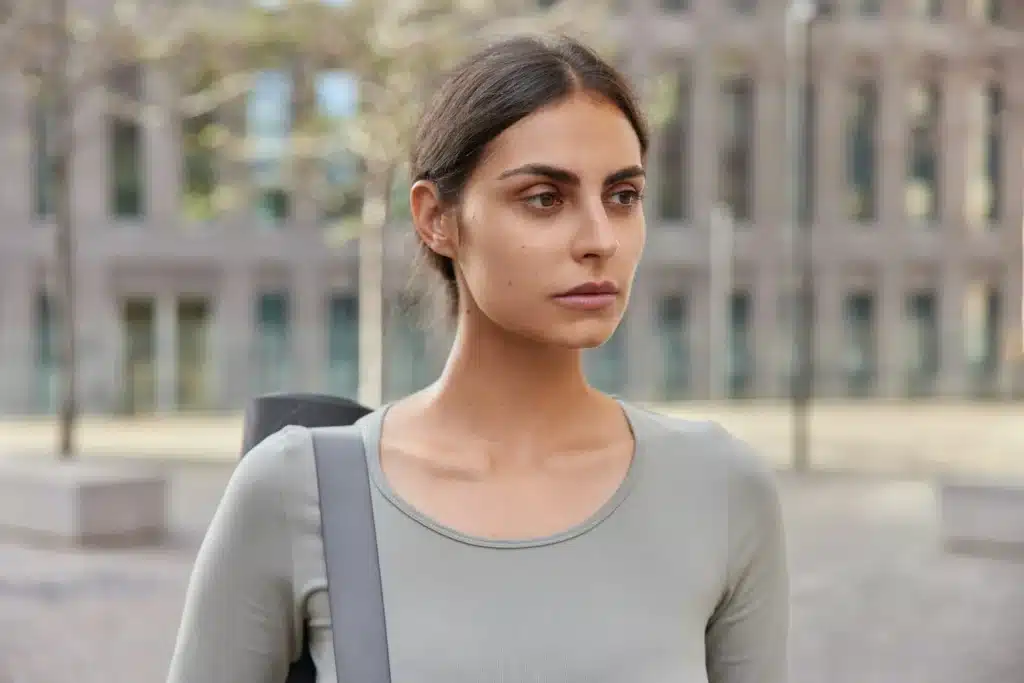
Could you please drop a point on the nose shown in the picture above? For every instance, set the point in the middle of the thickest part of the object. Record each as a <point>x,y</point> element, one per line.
<point>595,236</point>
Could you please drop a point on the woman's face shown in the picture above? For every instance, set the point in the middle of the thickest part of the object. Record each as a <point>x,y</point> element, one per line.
<point>551,227</point>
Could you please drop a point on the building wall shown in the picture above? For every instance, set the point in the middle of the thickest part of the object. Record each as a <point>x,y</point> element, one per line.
<point>230,260</point>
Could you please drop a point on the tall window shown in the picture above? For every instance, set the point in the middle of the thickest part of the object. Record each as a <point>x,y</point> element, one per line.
<point>343,345</point>
<point>861,360</point>
<point>606,365</point>
<point>44,157</point>
<point>983,322</point>
<point>674,188</point>
<point>995,107</point>
<point>744,6</point>
<point>922,187</point>
<point>337,97</point>
<point>675,5</point>
<point>273,341</point>
<point>861,132</point>
<point>869,8</point>
<point>268,126</point>
<point>741,357</point>
<point>924,341</point>
<point>46,364</point>
<point>674,334</point>
<point>737,162</point>
<point>127,172</point>
<point>199,184</point>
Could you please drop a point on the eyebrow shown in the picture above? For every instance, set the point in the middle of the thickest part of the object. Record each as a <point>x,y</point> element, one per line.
<point>562,175</point>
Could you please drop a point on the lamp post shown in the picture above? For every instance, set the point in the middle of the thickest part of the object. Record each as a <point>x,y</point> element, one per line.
<point>800,16</point>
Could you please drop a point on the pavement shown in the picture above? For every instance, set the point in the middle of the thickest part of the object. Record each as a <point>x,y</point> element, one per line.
<point>875,600</point>
<point>973,439</point>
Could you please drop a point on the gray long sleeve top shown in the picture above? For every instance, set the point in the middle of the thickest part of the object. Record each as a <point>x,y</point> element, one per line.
<point>680,577</point>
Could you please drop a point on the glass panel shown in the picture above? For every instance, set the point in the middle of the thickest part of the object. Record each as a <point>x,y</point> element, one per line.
<point>273,344</point>
<point>861,151</point>
<point>674,334</point>
<point>861,348</point>
<point>741,359</point>
<point>268,126</point>
<point>138,319</point>
<point>193,319</point>
<point>737,162</point>
<point>922,189</point>
<point>674,189</point>
<point>337,96</point>
<point>924,342</point>
<point>606,365</point>
<point>47,365</point>
<point>343,345</point>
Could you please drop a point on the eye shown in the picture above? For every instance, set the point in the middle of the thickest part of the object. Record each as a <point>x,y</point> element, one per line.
<point>627,197</point>
<point>543,200</point>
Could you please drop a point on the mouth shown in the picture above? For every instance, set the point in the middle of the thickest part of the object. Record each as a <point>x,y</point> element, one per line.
<point>591,296</point>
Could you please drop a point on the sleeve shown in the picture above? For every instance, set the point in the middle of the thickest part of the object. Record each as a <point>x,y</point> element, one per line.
<point>747,637</point>
<point>237,624</point>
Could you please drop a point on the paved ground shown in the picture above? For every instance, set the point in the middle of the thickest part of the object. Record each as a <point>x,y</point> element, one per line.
<point>977,439</point>
<point>875,601</point>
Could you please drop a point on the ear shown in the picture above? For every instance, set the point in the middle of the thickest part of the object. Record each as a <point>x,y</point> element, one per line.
<point>431,219</point>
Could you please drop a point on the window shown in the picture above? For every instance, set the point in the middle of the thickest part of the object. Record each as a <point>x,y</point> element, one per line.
<point>982,323</point>
<point>268,127</point>
<point>273,344</point>
<point>675,5</point>
<point>343,345</point>
<point>869,8</point>
<point>995,107</point>
<point>127,172</point>
<point>922,187</point>
<point>928,9</point>
<point>408,362</point>
<point>861,152</point>
<point>674,333</point>
<point>744,6</point>
<point>674,188</point>
<point>737,161</point>
<point>860,364</point>
<point>199,184</point>
<point>337,98</point>
<point>44,156</point>
<point>924,341</point>
<point>741,359</point>
<point>46,359</point>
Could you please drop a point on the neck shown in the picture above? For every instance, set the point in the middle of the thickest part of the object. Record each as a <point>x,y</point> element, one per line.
<point>500,382</point>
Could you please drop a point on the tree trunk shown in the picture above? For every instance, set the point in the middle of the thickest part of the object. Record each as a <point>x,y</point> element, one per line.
<point>64,273</point>
<point>371,284</point>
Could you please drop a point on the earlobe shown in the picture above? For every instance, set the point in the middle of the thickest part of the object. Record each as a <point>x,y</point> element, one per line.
<point>429,217</point>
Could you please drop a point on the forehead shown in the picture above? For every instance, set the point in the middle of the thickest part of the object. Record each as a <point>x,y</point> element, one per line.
<point>584,133</point>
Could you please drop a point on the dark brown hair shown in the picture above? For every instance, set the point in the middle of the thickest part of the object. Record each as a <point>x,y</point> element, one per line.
<point>489,92</point>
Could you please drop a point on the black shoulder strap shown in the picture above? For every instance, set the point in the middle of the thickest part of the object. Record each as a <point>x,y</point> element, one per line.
<point>350,552</point>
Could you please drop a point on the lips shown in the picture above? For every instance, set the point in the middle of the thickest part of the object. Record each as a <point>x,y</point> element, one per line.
<point>590,296</point>
<point>592,289</point>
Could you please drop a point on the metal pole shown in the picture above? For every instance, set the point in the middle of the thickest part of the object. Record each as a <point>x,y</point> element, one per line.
<point>799,20</point>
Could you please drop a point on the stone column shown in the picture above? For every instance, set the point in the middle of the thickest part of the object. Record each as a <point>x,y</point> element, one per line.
<point>166,353</point>
<point>952,338</point>
<point>233,320</point>
<point>892,358</point>
<point>829,332</point>
<point>18,290</point>
<point>705,152</point>
<point>959,133</point>
<point>700,338</point>
<point>100,333</point>
<point>893,145</point>
<point>830,145</point>
<point>771,187</point>
<point>90,169</point>
<point>1013,216</point>
<point>16,147</point>
<point>163,158</point>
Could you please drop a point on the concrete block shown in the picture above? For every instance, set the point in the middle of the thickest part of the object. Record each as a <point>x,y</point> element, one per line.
<point>82,503</point>
<point>983,518</point>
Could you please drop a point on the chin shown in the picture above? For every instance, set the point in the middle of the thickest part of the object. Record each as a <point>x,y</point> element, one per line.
<point>587,334</point>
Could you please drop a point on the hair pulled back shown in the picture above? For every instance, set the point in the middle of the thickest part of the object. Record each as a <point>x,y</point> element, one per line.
<point>491,91</point>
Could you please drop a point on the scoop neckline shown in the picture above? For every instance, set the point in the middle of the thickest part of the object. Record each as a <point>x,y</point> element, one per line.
<point>372,428</point>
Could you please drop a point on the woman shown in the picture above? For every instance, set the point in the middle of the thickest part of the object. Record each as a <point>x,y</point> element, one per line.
<point>530,528</point>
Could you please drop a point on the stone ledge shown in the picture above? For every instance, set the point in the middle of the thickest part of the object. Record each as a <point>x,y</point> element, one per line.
<point>982,518</point>
<point>82,503</point>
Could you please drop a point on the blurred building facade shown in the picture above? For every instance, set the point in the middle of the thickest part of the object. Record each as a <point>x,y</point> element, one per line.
<point>914,201</point>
